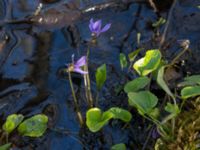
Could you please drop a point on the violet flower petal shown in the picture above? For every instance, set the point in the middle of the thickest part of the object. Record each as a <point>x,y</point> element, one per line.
<point>91,24</point>
<point>91,21</point>
<point>97,26</point>
<point>106,27</point>
<point>78,70</point>
<point>80,62</point>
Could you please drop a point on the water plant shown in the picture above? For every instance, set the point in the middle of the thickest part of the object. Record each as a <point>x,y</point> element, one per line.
<point>76,67</point>
<point>34,126</point>
<point>186,131</point>
<point>96,119</point>
<point>150,68</point>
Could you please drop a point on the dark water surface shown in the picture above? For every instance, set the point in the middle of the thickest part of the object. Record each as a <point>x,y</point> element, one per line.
<point>33,56</point>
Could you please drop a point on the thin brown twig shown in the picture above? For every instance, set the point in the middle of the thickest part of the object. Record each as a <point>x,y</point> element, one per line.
<point>167,24</point>
<point>153,5</point>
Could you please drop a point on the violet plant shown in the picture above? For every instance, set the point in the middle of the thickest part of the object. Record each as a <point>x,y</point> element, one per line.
<point>95,119</point>
<point>80,66</point>
<point>96,29</point>
<point>77,67</point>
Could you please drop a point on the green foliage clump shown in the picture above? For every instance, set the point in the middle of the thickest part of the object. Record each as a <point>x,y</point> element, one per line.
<point>187,131</point>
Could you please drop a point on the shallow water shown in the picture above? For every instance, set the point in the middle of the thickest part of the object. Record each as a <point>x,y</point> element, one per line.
<point>33,56</point>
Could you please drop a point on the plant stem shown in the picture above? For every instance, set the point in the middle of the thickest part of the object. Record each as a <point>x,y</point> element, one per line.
<point>88,92</point>
<point>147,139</point>
<point>178,56</point>
<point>88,87</point>
<point>75,100</point>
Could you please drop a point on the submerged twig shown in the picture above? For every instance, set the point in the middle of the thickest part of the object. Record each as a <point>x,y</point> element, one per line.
<point>185,48</point>
<point>167,24</point>
<point>153,5</point>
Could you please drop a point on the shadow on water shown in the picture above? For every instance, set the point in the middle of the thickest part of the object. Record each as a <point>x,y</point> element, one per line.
<point>34,51</point>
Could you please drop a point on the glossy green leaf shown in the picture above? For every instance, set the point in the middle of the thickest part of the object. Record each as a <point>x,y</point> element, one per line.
<point>120,146</point>
<point>123,61</point>
<point>34,126</point>
<point>5,146</point>
<point>121,114</point>
<point>100,76</point>
<point>190,91</point>
<point>162,83</point>
<point>136,84</point>
<point>12,122</point>
<point>144,101</point>
<point>96,119</point>
<point>133,55</point>
<point>193,78</point>
<point>190,81</point>
<point>149,63</point>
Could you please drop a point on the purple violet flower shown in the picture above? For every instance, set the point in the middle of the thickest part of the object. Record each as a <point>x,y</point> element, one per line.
<point>76,67</point>
<point>95,27</point>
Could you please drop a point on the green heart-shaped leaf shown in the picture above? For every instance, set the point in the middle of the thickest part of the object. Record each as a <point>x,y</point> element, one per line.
<point>149,63</point>
<point>136,84</point>
<point>34,126</point>
<point>190,91</point>
<point>190,81</point>
<point>144,101</point>
<point>96,119</point>
<point>12,122</point>
<point>121,114</point>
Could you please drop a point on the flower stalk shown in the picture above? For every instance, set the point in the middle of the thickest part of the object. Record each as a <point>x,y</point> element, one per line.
<point>75,100</point>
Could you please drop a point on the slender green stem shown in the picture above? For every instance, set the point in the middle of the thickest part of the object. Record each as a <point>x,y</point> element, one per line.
<point>173,126</point>
<point>183,102</point>
<point>152,120</point>
<point>88,87</point>
<point>87,82</point>
<point>86,91</point>
<point>75,100</point>
<point>178,56</point>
